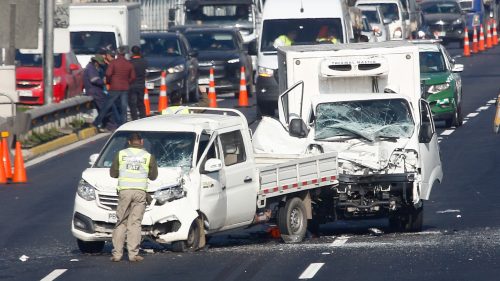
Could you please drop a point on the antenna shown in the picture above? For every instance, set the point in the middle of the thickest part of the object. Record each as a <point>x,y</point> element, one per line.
<point>301,6</point>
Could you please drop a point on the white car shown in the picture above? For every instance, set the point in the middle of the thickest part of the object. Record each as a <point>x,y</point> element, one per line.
<point>377,21</point>
<point>394,11</point>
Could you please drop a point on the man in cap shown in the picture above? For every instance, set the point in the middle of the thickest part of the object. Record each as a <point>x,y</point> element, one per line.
<point>136,91</point>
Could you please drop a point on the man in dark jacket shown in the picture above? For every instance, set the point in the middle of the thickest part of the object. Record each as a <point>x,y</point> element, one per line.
<point>136,91</point>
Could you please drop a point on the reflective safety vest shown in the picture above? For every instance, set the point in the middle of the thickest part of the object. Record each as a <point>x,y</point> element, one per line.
<point>133,166</point>
<point>176,109</point>
<point>284,40</point>
<point>332,40</point>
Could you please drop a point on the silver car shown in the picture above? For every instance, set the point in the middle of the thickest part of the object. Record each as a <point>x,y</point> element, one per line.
<point>377,21</point>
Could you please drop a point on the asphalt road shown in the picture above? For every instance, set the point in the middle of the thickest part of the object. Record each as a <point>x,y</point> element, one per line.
<point>460,240</point>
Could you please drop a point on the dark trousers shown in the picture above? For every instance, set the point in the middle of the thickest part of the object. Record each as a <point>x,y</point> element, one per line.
<point>118,98</point>
<point>136,102</point>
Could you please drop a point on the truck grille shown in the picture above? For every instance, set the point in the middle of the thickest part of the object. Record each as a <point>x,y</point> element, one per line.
<point>28,84</point>
<point>110,202</point>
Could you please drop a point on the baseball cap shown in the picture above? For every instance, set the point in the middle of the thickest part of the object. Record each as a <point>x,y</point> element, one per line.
<point>98,58</point>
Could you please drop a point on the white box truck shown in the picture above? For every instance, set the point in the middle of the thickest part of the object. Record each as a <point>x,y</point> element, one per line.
<point>98,26</point>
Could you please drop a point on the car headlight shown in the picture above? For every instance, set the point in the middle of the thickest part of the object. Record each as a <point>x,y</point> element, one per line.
<point>85,190</point>
<point>233,60</point>
<point>398,33</point>
<point>434,89</point>
<point>56,80</point>
<point>266,72</point>
<point>176,69</point>
<point>169,193</point>
<point>457,22</point>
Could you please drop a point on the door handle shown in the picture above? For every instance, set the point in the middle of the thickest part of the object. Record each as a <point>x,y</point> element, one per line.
<point>247,179</point>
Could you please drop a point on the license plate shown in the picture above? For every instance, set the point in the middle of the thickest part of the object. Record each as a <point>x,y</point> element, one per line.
<point>25,93</point>
<point>150,86</point>
<point>112,218</point>
<point>203,81</point>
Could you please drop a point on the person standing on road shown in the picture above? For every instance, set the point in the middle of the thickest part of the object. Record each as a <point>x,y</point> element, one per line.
<point>133,167</point>
<point>136,91</point>
<point>119,75</point>
<point>93,83</point>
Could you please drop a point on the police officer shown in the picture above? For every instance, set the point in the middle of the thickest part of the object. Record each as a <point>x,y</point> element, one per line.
<point>132,166</point>
<point>176,107</point>
<point>285,39</point>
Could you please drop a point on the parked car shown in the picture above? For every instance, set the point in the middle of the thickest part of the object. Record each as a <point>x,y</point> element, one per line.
<point>223,49</point>
<point>377,21</point>
<point>395,11</point>
<point>442,84</point>
<point>445,19</point>
<point>170,52</point>
<point>67,82</point>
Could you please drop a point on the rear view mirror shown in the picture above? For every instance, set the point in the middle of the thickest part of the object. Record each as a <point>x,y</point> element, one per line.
<point>73,67</point>
<point>213,165</point>
<point>298,128</point>
<point>425,134</point>
<point>457,68</point>
<point>93,158</point>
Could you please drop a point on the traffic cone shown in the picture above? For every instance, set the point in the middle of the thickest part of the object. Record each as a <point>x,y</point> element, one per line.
<point>481,38</point>
<point>19,171</point>
<point>147,105</point>
<point>163,100</point>
<point>495,34</point>
<point>488,36</point>
<point>475,49</point>
<point>6,155</point>
<point>212,96</point>
<point>3,178</point>
<point>274,232</point>
<point>466,43</point>
<point>243,96</point>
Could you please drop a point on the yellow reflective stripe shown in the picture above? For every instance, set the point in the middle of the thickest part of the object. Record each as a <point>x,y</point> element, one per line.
<point>133,174</point>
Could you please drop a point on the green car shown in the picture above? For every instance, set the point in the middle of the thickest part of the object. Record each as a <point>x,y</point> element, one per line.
<point>441,82</point>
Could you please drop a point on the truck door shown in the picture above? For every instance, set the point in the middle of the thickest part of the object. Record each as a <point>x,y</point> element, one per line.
<point>240,181</point>
<point>213,200</point>
<point>290,103</point>
<point>430,159</point>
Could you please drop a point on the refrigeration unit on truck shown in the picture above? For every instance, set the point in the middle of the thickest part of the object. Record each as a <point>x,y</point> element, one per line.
<point>209,180</point>
<point>103,26</point>
<point>363,101</point>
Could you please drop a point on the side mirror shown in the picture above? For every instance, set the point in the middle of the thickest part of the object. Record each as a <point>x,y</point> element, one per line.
<point>457,68</point>
<point>425,134</point>
<point>252,48</point>
<point>73,67</point>
<point>298,128</point>
<point>93,158</point>
<point>213,165</point>
<point>387,20</point>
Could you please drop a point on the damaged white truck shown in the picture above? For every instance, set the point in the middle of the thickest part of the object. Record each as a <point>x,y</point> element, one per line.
<point>363,101</point>
<point>209,180</point>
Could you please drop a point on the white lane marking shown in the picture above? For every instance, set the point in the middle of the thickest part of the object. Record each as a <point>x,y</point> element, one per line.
<point>464,122</point>
<point>311,270</point>
<point>447,132</point>
<point>448,211</point>
<point>339,241</point>
<point>54,274</point>
<point>492,101</point>
<point>483,108</point>
<point>473,114</point>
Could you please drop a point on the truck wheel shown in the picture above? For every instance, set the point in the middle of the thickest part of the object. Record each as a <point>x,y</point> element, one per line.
<point>90,247</point>
<point>292,219</point>
<point>409,219</point>
<point>193,241</point>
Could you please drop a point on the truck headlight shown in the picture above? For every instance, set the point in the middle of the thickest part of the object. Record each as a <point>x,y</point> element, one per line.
<point>266,72</point>
<point>56,80</point>
<point>176,69</point>
<point>168,194</point>
<point>85,190</point>
<point>234,60</point>
<point>434,89</point>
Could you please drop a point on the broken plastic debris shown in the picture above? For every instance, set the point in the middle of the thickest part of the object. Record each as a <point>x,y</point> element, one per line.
<point>375,231</point>
<point>149,251</point>
<point>325,253</point>
<point>24,258</point>
<point>289,239</point>
<point>74,260</point>
<point>459,216</point>
<point>448,211</point>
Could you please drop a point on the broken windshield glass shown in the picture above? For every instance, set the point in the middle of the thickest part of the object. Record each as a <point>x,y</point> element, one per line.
<point>366,119</point>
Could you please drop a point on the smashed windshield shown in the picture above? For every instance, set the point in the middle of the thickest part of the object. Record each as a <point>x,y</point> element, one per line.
<point>211,41</point>
<point>431,62</point>
<point>171,149</point>
<point>300,32</point>
<point>91,42</point>
<point>365,119</point>
<point>220,13</point>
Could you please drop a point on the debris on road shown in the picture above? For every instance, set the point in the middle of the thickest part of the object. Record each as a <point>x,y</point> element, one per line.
<point>23,258</point>
<point>375,231</point>
<point>448,211</point>
<point>73,260</point>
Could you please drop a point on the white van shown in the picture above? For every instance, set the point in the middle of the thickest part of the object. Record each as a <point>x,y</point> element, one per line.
<point>396,12</point>
<point>307,18</point>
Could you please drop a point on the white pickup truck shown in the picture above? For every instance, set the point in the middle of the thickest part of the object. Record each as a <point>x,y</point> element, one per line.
<point>209,180</point>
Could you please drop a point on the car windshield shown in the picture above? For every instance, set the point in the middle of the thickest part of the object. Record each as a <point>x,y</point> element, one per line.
<point>220,13</point>
<point>307,31</point>
<point>441,8</point>
<point>372,16</point>
<point>35,60</point>
<point>389,10</point>
<point>160,46</point>
<point>431,62</point>
<point>365,119</point>
<point>211,41</point>
<point>171,149</point>
<point>91,42</point>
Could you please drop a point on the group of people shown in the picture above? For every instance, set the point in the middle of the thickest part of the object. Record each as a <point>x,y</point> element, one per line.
<point>116,83</point>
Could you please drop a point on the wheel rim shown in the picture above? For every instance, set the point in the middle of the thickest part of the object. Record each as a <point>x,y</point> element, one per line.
<point>295,220</point>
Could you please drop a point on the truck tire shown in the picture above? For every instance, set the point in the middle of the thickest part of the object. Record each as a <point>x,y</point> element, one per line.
<point>292,218</point>
<point>409,219</point>
<point>193,241</point>
<point>90,247</point>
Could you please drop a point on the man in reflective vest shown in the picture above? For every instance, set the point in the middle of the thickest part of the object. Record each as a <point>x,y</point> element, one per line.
<point>133,167</point>
<point>176,107</point>
<point>285,39</point>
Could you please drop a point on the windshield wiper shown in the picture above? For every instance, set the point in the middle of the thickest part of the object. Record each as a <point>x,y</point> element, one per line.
<point>358,134</point>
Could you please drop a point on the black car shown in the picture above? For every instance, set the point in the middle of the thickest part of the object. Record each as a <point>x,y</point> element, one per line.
<point>170,52</point>
<point>223,49</point>
<point>444,19</point>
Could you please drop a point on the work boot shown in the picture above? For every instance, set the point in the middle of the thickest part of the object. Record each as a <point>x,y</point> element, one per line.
<point>115,259</point>
<point>136,258</point>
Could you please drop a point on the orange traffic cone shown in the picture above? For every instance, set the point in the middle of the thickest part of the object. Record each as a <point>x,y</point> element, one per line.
<point>6,155</point>
<point>3,178</point>
<point>243,96</point>
<point>163,100</point>
<point>488,36</point>
<point>466,43</point>
<point>19,171</point>
<point>274,232</point>
<point>212,96</point>
<point>475,49</point>
<point>481,38</point>
<point>495,35</point>
<point>147,105</point>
